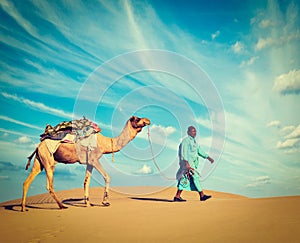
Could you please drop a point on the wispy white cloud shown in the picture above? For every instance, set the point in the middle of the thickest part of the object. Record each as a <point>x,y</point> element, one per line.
<point>249,62</point>
<point>275,27</point>
<point>204,122</point>
<point>295,132</point>
<point>167,131</point>
<point>23,139</point>
<point>243,145</point>
<point>215,35</point>
<point>39,67</point>
<point>12,151</point>
<point>159,135</point>
<point>238,47</point>
<point>288,143</point>
<point>291,151</point>
<point>5,118</point>
<point>264,43</point>
<point>39,106</point>
<point>38,77</point>
<point>42,108</point>
<point>289,137</point>
<point>287,129</point>
<point>2,177</point>
<point>5,131</point>
<point>259,181</point>
<point>145,170</point>
<point>239,130</point>
<point>275,123</point>
<point>265,23</point>
<point>134,27</point>
<point>288,83</point>
<point>10,9</point>
<point>5,134</point>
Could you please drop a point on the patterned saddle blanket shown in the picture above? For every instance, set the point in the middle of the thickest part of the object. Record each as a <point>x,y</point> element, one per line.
<point>81,129</point>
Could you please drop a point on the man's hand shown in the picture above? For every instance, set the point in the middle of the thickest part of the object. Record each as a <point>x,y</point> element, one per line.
<point>210,159</point>
<point>187,166</point>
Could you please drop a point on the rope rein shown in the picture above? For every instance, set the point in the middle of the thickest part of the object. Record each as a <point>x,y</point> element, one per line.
<point>153,158</point>
<point>157,167</point>
<point>112,149</point>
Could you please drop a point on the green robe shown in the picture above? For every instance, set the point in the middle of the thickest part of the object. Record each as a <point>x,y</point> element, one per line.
<point>189,150</point>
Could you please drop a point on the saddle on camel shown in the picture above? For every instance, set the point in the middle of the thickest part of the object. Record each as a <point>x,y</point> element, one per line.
<point>79,128</point>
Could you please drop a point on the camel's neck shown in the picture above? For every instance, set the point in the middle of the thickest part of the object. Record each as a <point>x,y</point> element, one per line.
<point>109,145</point>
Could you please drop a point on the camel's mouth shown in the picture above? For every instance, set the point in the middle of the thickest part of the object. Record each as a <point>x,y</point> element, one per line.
<point>143,122</point>
<point>146,121</point>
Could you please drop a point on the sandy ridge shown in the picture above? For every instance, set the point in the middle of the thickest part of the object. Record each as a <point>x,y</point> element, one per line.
<point>151,217</point>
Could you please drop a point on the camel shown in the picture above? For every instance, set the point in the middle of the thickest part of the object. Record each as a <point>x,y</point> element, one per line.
<point>68,153</point>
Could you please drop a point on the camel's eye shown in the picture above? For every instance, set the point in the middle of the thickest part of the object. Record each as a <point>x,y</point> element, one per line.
<point>135,119</point>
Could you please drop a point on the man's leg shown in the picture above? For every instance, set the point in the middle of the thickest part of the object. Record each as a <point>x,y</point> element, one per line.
<point>177,197</point>
<point>195,183</point>
<point>203,197</point>
<point>178,193</point>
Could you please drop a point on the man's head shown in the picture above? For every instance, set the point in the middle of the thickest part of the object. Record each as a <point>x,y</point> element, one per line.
<point>192,131</point>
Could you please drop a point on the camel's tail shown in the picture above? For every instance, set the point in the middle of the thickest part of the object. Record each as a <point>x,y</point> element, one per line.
<point>30,158</point>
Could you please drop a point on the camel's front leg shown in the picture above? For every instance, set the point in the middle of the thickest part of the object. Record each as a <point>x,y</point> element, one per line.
<point>106,177</point>
<point>86,184</point>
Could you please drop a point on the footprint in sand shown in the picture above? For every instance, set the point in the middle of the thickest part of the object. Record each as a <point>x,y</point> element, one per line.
<point>45,235</point>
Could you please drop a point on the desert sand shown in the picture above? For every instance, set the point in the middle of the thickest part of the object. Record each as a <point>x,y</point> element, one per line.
<point>151,218</point>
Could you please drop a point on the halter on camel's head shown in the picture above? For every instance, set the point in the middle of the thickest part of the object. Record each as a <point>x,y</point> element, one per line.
<point>138,123</point>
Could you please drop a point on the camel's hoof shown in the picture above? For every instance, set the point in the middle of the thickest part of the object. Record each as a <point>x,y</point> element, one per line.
<point>105,204</point>
<point>63,207</point>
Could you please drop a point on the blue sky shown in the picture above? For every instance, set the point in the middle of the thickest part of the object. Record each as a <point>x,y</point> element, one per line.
<point>232,69</point>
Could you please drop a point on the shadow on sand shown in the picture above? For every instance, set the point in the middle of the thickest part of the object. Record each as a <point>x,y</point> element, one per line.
<point>151,199</point>
<point>79,202</point>
<point>74,202</point>
<point>17,207</point>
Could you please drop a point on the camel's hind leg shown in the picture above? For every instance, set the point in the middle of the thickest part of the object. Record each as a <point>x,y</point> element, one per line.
<point>87,180</point>
<point>106,177</point>
<point>48,162</point>
<point>36,169</point>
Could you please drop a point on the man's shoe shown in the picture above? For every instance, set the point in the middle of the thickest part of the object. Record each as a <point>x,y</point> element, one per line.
<point>179,199</point>
<point>205,197</point>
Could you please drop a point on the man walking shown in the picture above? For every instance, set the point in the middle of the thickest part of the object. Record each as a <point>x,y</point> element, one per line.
<point>187,176</point>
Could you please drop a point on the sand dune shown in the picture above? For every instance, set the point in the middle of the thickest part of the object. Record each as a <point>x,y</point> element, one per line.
<point>151,217</point>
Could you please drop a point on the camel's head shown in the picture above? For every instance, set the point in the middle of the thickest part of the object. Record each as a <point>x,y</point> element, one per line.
<point>138,123</point>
